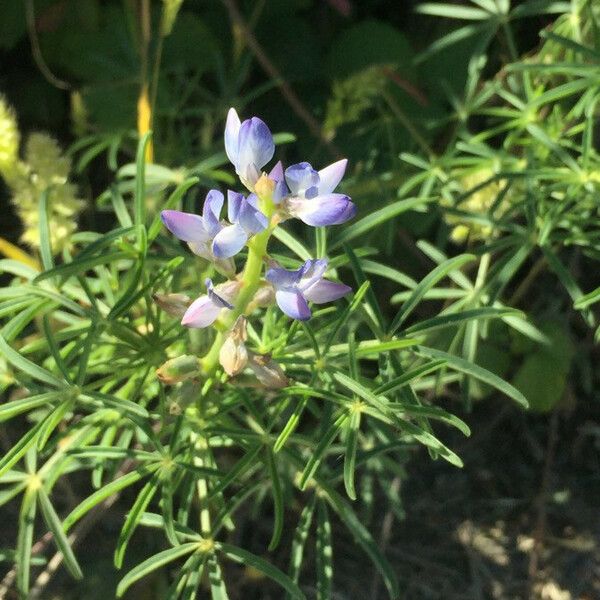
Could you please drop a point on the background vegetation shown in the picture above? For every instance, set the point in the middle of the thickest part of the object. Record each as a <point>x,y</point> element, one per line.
<point>470,129</point>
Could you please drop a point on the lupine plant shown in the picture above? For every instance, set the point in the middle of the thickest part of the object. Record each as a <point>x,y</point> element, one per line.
<point>280,395</point>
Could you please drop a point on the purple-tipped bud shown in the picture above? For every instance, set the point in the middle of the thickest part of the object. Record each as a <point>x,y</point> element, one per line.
<point>249,146</point>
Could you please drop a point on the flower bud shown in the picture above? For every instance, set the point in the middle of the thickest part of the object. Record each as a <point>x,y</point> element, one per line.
<point>264,187</point>
<point>178,369</point>
<point>229,290</point>
<point>233,355</point>
<point>265,296</point>
<point>173,304</point>
<point>267,371</point>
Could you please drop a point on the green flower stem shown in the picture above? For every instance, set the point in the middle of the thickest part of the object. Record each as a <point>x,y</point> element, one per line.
<point>251,278</point>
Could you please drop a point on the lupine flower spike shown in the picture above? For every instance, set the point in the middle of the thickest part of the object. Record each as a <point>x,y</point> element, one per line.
<point>294,289</point>
<point>299,192</point>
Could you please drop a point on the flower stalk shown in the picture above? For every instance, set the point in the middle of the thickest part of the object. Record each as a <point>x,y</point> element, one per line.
<point>251,279</point>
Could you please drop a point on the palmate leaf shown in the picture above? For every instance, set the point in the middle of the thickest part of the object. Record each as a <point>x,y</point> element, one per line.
<point>324,553</point>
<point>25,541</point>
<point>286,238</point>
<point>587,299</point>
<point>133,518</point>
<point>190,575</point>
<point>11,409</point>
<point>364,349</point>
<point>278,502</point>
<point>56,416</point>
<point>139,199</point>
<point>474,370</point>
<point>319,453</point>
<point>20,448</point>
<point>453,11</point>
<point>45,242</point>
<point>60,539</point>
<point>154,562</point>
<point>218,590</point>
<point>102,494</point>
<point>465,316</point>
<point>570,44</point>
<point>291,424</point>
<point>81,265</point>
<point>299,541</point>
<point>441,271</point>
<point>391,411</point>
<point>363,538</point>
<point>28,367</point>
<point>377,218</point>
<point>173,200</point>
<point>247,558</point>
<point>398,382</point>
<point>350,456</point>
<point>345,315</point>
<point>539,7</point>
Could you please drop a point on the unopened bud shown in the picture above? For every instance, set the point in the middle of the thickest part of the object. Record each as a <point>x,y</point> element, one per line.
<point>225,266</point>
<point>267,371</point>
<point>264,187</point>
<point>173,304</point>
<point>229,290</point>
<point>265,296</point>
<point>233,355</point>
<point>178,369</point>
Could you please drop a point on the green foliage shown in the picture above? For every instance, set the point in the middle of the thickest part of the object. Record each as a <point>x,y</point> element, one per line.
<point>499,178</point>
<point>105,338</point>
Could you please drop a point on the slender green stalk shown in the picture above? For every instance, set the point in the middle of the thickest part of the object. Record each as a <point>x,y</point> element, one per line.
<point>251,278</point>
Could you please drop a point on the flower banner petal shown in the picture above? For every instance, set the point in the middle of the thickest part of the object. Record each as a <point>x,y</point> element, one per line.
<point>232,132</point>
<point>212,211</point>
<point>185,226</point>
<point>330,176</point>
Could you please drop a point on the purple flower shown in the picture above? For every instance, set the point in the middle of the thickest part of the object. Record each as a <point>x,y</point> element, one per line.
<point>198,231</point>
<point>249,146</point>
<point>281,189</point>
<point>246,220</point>
<point>294,289</point>
<point>204,311</point>
<point>211,238</point>
<point>311,198</point>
